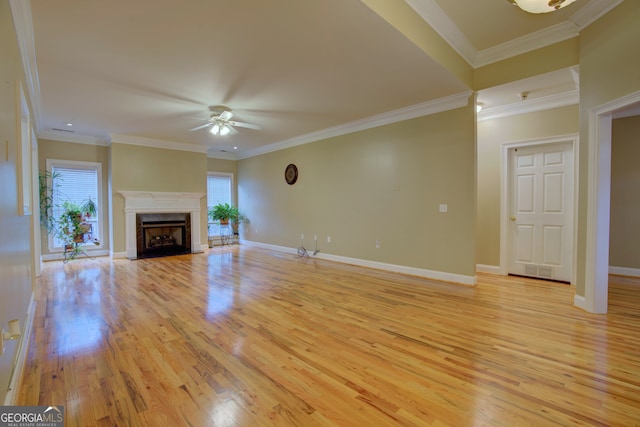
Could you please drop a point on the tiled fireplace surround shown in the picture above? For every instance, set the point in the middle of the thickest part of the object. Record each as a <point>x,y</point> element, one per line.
<point>137,202</point>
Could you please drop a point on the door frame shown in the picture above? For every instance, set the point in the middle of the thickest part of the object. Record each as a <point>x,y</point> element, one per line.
<point>505,186</point>
<point>596,265</point>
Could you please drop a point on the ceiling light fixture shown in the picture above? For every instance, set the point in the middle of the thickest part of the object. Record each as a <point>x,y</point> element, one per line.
<point>220,128</point>
<point>540,6</point>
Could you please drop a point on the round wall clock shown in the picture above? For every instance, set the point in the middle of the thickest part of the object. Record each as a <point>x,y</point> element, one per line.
<point>291,174</point>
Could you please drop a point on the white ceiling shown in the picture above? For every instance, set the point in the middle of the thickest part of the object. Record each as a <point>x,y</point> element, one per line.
<point>146,71</point>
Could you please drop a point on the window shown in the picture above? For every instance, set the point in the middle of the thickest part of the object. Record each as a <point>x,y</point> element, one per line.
<point>76,182</point>
<point>219,190</point>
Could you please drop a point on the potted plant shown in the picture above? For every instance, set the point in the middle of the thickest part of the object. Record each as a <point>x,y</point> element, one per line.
<point>72,226</point>
<point>223,212</point>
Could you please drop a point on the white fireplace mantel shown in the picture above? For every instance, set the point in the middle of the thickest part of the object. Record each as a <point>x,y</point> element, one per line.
<point>136,202</point>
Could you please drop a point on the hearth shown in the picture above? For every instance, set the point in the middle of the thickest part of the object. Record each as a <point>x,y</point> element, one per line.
<point>163,234</point>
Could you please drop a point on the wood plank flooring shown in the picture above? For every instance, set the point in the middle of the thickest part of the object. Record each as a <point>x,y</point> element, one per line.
<point>241,336</point>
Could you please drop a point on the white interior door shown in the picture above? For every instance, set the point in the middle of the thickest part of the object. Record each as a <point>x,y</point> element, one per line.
<point>541,211</point>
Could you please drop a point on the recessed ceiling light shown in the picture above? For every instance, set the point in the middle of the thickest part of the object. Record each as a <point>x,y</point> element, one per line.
<point>235,148</point>
<point>69,124</point>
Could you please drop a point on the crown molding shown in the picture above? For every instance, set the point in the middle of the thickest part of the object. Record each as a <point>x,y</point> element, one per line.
<point>156,143</point>
<point>224,155</point>
<point>530,106</point>
<point>536,40</point>
<point>593,11</point>
<point>433,15</point>
<point>23,23</point>
<point>427,108</point>
<point>70,137</point>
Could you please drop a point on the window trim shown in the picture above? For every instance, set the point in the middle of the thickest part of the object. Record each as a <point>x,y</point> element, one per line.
<point>75,164</point>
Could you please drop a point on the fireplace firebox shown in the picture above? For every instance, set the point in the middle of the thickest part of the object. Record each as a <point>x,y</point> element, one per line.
<point>163,234</point>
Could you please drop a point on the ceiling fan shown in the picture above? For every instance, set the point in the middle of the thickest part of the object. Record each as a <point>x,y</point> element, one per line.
<point>221,123</point>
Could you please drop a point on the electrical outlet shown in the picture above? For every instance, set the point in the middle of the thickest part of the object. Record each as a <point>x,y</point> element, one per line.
<point>315,237</point>
<point>328,239</point>
<point>444,208</point>
<point>301,236</point>
<point>377,244</point>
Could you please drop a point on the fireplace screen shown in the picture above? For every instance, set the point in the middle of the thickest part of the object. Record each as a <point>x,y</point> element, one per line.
<point>163,234</point>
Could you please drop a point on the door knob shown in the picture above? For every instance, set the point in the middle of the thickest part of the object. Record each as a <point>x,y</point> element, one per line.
<point>513,218</point>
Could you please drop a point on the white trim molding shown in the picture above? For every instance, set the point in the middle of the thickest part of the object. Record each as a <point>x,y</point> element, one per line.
<point>596,263</point>
<point>72,137</point>
<point>160,202</point>
<point>435,17</point>
<point>23,23</point>
<point>536,40</point>
<point>156,143</point>
<point>15,381</point>
<point>530,105</point>
<point>624,271</point>
<point>452,102</point>
<point>440,276</point>
<point>490,269</point>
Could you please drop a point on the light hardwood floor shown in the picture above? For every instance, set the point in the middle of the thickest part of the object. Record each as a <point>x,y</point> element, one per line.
<point>241,336</point>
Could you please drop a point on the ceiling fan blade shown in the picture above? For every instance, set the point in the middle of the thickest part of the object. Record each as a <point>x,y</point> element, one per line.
<point>225,115</point>
<point>244,125</point>
<point>232,130</point>
<point>200,127</point>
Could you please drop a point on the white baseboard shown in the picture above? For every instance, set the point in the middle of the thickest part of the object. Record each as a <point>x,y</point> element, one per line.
<point>21,358</point>
<point>624,271</point>
<point>428,274</point>
<point>580,302</point>
<point>118,255</point>
<point>491,269</point>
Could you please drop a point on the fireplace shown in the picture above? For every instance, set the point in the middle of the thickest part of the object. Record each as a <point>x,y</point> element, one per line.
<point>158,202</point>
<point>163,234</point>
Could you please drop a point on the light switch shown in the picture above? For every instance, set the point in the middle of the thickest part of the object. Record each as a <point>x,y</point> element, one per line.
<point>443,208</point>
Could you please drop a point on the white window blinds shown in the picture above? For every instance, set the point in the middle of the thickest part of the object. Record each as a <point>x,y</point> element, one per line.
<point>75,185</point>
<point>218,191</point>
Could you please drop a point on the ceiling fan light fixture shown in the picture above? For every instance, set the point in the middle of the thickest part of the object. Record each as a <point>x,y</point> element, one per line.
<point>540,6</point>
<point>225,130</point>
<point>215,129</point>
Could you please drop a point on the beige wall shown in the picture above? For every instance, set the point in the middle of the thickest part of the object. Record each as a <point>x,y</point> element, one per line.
<point>492,135</point>
<point>609,64</point>
<point>379,184</point>
<point>48,149</point>
<point>624,242</point>
<point>16,275</point>
<point>153,169</point>
<point>550,58</point>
